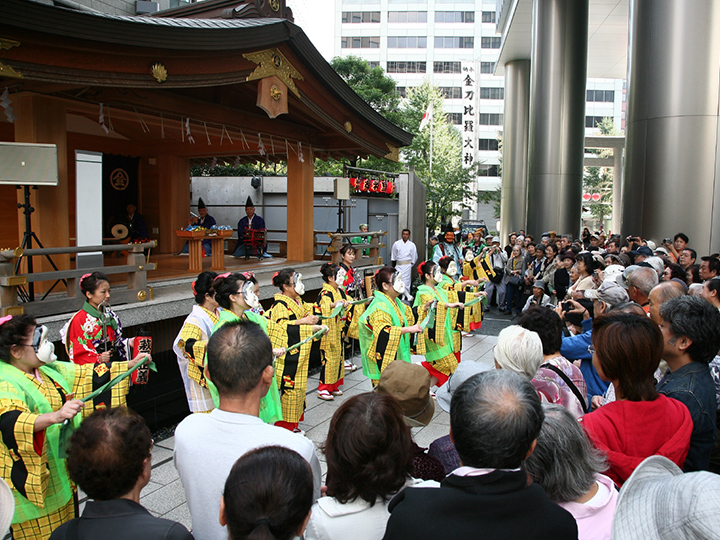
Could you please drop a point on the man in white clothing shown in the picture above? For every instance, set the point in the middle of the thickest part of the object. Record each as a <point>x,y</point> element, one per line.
<point>239,363</point>
<point>404,257</point>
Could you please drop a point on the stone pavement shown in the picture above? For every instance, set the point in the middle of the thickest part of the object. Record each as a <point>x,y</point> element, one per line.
<point>164,495</point>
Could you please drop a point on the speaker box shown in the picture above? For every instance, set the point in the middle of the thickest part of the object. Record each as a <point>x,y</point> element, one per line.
<point>342,189</point>
<point>28,164</point>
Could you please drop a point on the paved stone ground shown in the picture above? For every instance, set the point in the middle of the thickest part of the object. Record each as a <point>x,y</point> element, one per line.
<point>164,495</point>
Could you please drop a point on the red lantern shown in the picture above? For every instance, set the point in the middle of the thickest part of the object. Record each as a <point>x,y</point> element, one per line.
<point>373,186</point>
<point>586,196</point>
<point>595,197</point>
<point>364,185</point>
<point>390,187</point>
<point>353,181</point>
<point>381,186</point>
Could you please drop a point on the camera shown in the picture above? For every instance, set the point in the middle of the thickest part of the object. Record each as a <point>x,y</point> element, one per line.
<point>666,241</point>
<point>567,306</point>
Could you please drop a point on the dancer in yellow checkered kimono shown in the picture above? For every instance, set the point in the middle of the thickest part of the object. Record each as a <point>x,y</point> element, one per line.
<point>449,283</point>
<point>37,395</point>
<point>299,322</point>
<point>386,325</point>
<point>191,342</point>
<point>331,346</point>
<point>436,342</point>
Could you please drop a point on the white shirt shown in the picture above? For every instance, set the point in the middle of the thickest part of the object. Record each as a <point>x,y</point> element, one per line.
<point>354,520</point>
<point>206,448</point>
<point>404,251</point>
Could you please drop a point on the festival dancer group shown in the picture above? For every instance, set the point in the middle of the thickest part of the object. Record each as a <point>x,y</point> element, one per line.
<point>40,396</point>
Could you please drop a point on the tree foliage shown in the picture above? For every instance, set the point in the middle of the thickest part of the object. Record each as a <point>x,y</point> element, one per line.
<point>600,179</point>
<point>448,183</point>
<point>378,90</point>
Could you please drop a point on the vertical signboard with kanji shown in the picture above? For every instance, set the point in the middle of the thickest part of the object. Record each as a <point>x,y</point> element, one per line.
<point>468,127</point>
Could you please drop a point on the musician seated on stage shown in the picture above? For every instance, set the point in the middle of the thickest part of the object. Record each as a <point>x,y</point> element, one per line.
<point>136,224</point>
<point>251,235</point>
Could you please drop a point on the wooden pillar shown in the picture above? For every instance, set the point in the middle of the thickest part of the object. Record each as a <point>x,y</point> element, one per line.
<point>42,120</point>
<point>300,211</point>
<point>173,202</point>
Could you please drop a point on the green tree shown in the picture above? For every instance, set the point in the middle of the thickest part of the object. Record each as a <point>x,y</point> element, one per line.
<point>379,91</point>
<point>447,184</point>
<point>600,179</point>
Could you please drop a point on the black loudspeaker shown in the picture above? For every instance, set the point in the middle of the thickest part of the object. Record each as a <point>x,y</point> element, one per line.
<point>28,164</point>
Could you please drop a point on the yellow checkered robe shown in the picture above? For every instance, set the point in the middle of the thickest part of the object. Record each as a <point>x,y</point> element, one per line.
<point>386,337</point>
<point>191,343</point>
<point>331,346</point>
<point>17,430</point>
<point>434,339</point>
<point>292,368</point>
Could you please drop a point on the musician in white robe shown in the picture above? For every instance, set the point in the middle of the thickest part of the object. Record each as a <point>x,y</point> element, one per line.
<point>404,256</point>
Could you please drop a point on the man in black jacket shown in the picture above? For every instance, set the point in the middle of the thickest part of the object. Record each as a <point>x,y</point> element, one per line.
<point>110,459</point>
<point>495,418</point>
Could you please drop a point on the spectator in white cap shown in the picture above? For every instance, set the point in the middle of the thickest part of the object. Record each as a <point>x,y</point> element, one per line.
<point>568,468</point>
<point>443,448</point>
<point>659,501</point>
<point>538,296</point>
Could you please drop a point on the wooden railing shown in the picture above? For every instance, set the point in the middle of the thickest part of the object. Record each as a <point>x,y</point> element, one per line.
<point>11,302</point>
<point>338,239</point>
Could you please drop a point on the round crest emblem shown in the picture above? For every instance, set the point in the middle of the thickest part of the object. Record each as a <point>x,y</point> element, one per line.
<point>119,179</point>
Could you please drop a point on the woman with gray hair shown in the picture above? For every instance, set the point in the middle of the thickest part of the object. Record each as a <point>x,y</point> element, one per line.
<point>519,350</point>
<point>567,466</point>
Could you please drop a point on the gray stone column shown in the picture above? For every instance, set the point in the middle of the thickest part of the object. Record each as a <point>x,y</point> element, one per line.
<point>557,115</point>
<point>513,202</point>
<point>672,143</point>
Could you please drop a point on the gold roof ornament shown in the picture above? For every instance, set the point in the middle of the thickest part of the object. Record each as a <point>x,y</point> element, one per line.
<point>273,62</point>
<point>159,72</point>
<point>348,126</point>
<point>6,43</point>
<point>394,154</point>
<point>8,71</point>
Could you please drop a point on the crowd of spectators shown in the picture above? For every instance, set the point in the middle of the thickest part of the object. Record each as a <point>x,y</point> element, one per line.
<point>602,407</point>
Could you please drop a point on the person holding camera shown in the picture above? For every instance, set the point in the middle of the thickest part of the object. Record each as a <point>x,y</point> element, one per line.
<point>538,297</point>
<point>498,260</point>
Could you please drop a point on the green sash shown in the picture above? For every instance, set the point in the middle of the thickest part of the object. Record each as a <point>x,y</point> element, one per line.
<point>433,351</point>
<point>59,489</point>
<point>270,406</point>
<point>110,321</point>
<point>381,301</point>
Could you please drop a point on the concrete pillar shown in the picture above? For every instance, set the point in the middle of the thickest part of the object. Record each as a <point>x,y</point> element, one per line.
<point>513,201</point>
<point>300,211</point>
<point>557,115</point>
<point>42,120</point>
<point>618,180</point>
<point>672,181</point>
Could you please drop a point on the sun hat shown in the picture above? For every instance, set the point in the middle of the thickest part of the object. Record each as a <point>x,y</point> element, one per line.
<point>612,271</point>
<point>463,372</point>
<point>622,278</point>
<point>659,501</point>
<point>409,384</point>
<point>609,292</point>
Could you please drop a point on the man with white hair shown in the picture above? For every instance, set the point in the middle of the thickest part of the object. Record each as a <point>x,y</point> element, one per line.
<point>638,284</point>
